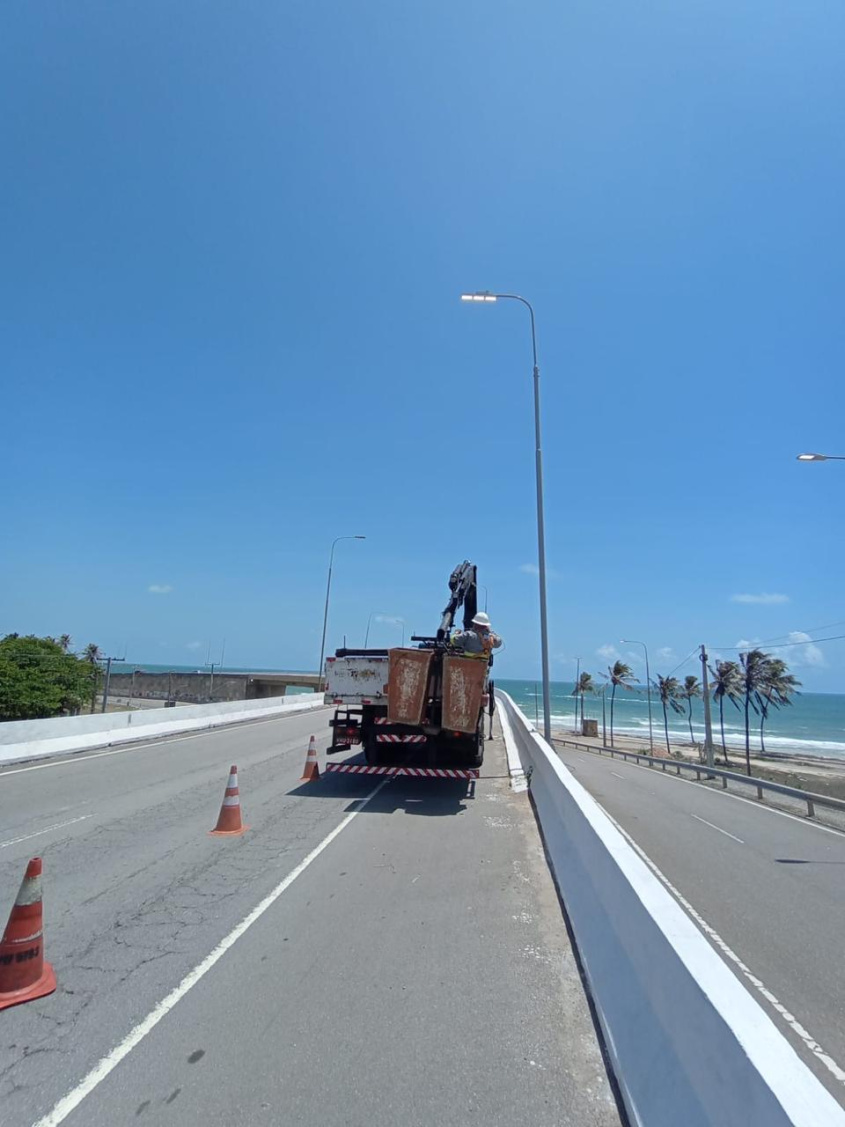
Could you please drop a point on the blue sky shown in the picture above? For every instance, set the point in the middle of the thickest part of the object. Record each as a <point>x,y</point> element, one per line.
<point>234,236</point>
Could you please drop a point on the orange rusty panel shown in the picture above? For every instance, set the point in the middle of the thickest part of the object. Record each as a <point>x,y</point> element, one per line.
<point>463,686</point>
<point>407,685</point>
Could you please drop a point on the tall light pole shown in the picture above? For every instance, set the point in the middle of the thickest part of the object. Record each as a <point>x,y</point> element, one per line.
<point>708,723</point>
<point>821,458</point>
<point>486,296</point>
<point>109,661</point>
<point>326,610</point>
<point>634,642</point>
<point>575,691</point>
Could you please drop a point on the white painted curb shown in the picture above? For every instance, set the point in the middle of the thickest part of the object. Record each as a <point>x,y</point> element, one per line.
<point>45,738</point>
<point>517,775</point>
<point>690,1045</point>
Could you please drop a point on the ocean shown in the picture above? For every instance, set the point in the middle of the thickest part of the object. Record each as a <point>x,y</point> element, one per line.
<point>813,725</point>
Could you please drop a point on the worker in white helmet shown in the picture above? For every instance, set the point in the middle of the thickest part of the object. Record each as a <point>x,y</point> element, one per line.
<point>479,640</point>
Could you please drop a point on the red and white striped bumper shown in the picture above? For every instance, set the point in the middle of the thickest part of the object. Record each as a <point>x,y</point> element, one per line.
<point>400,739</point>
<point>414,772</point>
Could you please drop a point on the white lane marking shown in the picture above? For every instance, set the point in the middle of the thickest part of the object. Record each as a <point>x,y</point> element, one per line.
<point>618,776</point>
<point>811,1043</point>
<point>752,802</point>
<point>57,826</point>
<point>144,746</point>
<point>719,828</point>
<point>101,1070</point>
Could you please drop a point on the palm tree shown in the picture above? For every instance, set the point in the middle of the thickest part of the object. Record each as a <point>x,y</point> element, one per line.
<point>690,690</point>
<point>669,690</point>
<point>585,685</point>
<point>618,674</point>
<point>92,655</point>
<point>727,682</point>
<point>753,681</point>
<point>777,688</point>
<point>65,642</point>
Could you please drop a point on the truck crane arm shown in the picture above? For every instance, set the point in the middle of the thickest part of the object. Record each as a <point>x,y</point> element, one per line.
<point>464,592</point>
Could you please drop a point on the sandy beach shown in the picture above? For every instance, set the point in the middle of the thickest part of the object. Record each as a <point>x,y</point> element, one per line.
<point>822,776</point>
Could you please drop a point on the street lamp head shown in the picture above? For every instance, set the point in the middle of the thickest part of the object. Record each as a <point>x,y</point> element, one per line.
<point>812,457</point>
<point>483,295</point>
<point>359,537</point>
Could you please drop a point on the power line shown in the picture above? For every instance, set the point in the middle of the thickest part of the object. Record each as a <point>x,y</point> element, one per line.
<point>783,645</point>
<point>812,630</point>
<point>689,656</point>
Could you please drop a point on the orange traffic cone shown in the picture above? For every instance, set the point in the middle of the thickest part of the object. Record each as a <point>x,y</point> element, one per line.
<point>229,824</point>
<point>311,770</point>
<point>24,973</point>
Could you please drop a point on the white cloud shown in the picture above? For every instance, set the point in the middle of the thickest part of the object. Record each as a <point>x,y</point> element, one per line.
<point>666,653</point>
<point>609,652</point>
<point>193,646</point>
<point>391,618</point>
<point>761,599</point>
<point>804,655</point>
<point>533,569</point>
<point>159,588</point>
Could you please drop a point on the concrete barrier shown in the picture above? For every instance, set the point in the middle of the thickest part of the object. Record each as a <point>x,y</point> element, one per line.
<point>689,1044</point>
<point>35,739</point>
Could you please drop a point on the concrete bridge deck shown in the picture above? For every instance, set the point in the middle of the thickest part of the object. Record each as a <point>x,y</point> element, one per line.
<point>201,687</point>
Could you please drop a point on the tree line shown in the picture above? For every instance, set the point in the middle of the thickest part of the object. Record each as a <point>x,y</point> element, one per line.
<point>41,677</point>
<point>754,685</point>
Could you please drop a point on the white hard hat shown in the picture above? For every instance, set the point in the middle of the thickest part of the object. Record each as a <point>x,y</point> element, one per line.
<point>481,619</point>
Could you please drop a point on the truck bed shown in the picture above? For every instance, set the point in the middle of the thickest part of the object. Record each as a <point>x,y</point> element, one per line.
<point>357,679</point>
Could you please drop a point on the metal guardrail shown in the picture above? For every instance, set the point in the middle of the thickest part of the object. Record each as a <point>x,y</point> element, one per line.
<point>700,769</point>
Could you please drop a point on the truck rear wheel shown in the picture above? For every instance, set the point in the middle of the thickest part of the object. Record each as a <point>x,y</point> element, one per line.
<point>372,750</point>
<point>476,756</point>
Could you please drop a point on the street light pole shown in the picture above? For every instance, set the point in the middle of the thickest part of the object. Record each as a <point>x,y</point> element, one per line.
<point>326,609</point>
<point>541,531</point>
<point>708,723</point>
<point>109,660</point>
<point>634,642</point>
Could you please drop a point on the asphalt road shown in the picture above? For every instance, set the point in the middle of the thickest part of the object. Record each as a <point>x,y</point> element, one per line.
<point>345,962</point>
<point>771,886</point>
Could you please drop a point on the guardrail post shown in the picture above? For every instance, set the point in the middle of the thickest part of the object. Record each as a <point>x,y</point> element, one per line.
<point>724,783</point>
<point>677,768</point>
<point>811,809</point>
<point>759,792</point>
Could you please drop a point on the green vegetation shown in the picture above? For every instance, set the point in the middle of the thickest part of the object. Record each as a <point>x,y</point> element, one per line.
<point>689,691</point>
<point>40,678</point>
<point>670,692</point>
<point>583,685</point>
<point>617,674</point>
<point>727,685</point>
<point>764,682</point>
<point>755,684</point>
